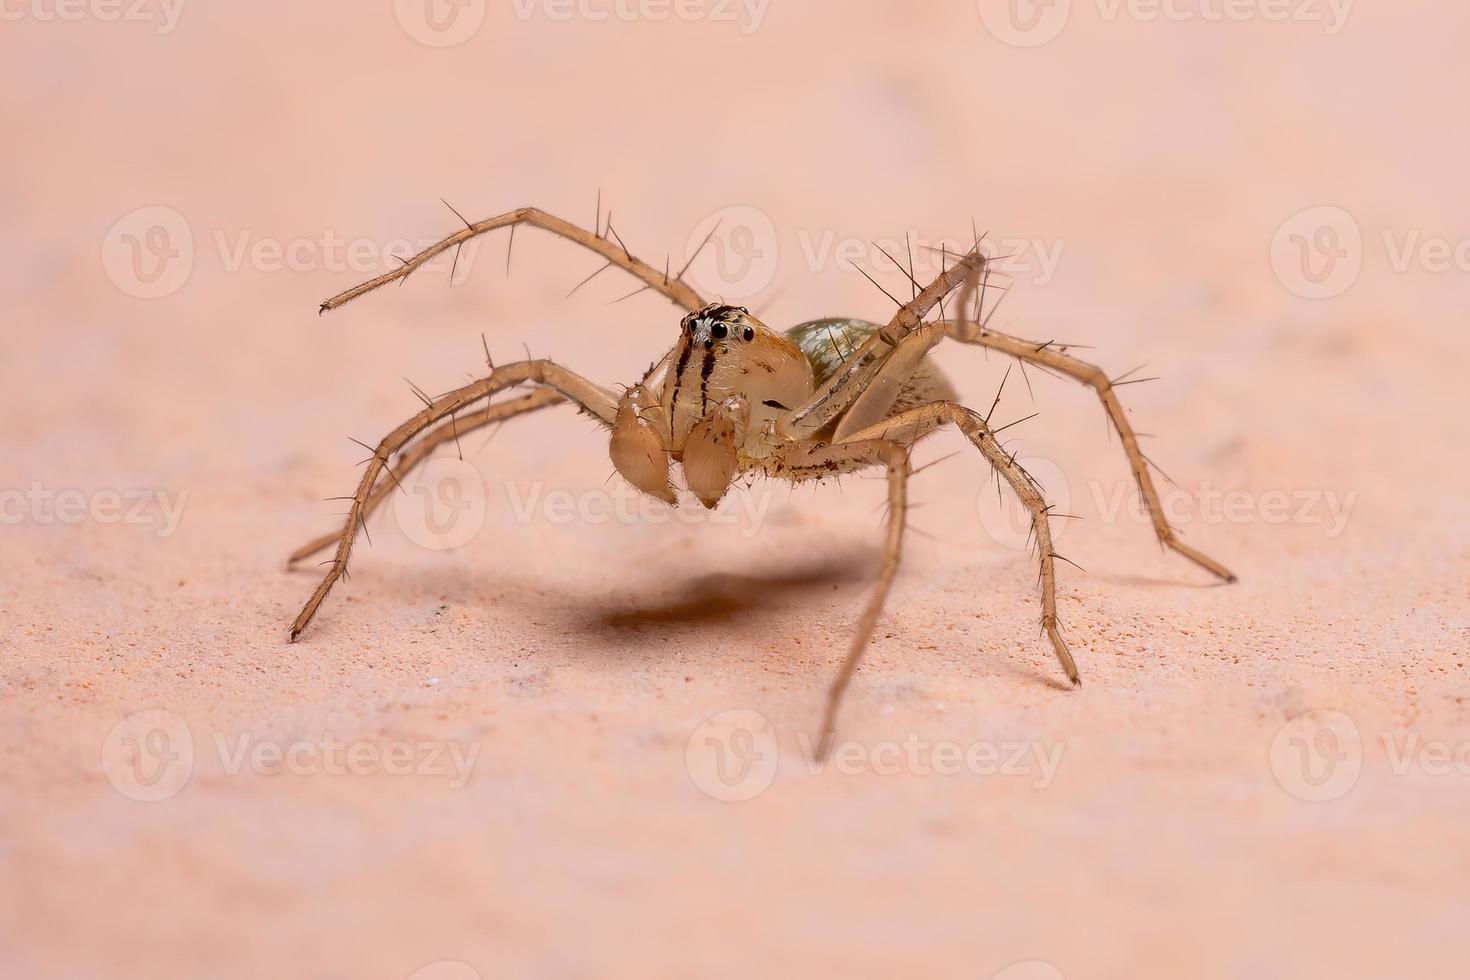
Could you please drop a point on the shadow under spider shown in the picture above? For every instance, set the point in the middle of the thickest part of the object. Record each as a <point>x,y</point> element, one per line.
<point>721,596</point>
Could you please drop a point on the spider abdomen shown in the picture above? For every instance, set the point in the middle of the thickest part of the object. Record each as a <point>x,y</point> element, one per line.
<point>829,342</point>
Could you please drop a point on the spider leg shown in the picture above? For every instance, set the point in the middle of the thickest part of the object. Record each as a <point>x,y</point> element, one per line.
<point>882,388</point>
<point>415,453</point>
<point>811,463</point>
<point>1047,356</point>
<point>906,426</point>
<point>967,267</point>
<point>860,367</point>
<point>573,387</point>
<point>675,289</point>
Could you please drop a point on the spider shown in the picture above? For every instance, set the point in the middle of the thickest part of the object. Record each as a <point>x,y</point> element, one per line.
<point>734,398</point>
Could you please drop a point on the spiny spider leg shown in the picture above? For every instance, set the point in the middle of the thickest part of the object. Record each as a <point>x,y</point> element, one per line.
<point>675,289</point>
<point>878,388</point>
<point>1045,355</point>
<point>415,453</point>
<point>905,425</point>
<point>822,461</point>
<point>572,386</point>
<point>839,390</point>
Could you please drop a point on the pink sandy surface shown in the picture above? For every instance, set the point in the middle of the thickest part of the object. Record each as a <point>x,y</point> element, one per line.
<point>580,658</point>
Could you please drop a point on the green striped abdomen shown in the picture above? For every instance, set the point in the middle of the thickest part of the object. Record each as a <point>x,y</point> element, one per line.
<point>829,342</point>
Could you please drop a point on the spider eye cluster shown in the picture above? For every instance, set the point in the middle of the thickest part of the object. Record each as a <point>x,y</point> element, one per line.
<point>717,321</point>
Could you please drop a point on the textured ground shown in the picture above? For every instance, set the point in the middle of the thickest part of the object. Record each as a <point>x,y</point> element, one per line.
<point>495,761</point>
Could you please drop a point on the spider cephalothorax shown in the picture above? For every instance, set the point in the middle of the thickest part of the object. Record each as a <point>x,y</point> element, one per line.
<point>706,403</point>
<point>825,398</point>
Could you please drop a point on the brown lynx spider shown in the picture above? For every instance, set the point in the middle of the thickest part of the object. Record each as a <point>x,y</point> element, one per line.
<point>734,397</point>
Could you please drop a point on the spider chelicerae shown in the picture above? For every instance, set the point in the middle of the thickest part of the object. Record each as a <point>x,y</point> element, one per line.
<point>733,397</point>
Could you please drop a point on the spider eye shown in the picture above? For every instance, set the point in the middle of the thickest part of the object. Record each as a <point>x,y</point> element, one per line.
<point>718,331</point>
<point>748,335</point>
